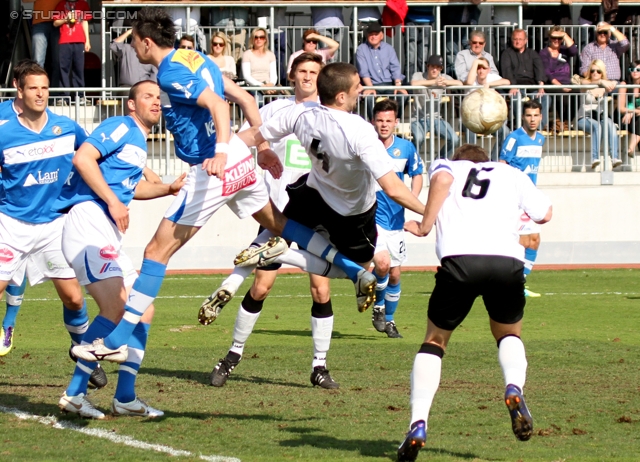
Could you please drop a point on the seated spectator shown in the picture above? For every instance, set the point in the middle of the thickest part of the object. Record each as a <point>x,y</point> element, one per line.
<point>310,39</point>
<point>179,15</point>
<point>131,70</point>
<point>457,38</point>
<point>219,47</point>
<point>521,65</point>
<point>629,107</point>
<point>591,117</point>
<point>465,58</point>
<point>555,59</point>
<point>259,64</point>
<point>480,76</point>
<point>234,19</point>
<point>605,50</point>
<point>378,65</point>
<point>436,82</point>
<point>72,17</point>
<point>187,42</point>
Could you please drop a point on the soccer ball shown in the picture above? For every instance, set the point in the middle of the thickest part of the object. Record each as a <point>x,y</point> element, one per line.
<point>484,111</point>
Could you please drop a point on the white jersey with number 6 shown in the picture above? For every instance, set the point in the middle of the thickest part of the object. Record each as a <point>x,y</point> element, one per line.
<point>481,212</point>
<point>346,155</point>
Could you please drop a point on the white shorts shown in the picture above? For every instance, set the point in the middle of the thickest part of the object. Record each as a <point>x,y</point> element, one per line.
<point>527,226</point>
<point>243,190</point>
<point>393,242</point>
<point>92,245</point>
<point>34,248</point>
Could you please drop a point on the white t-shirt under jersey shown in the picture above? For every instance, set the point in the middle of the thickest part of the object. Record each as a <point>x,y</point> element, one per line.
<point>346,155</point>
<point>480,215</point>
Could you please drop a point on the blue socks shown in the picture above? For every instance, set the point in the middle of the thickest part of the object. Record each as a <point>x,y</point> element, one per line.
<point>76,322</point>
<point>14,300</point>
<point>125,390</point>
<point>99,328</point>
<point>381,288</point>
<point>530,256</point>
<point>318,245</point>
<point>391,300</point>
<point>144,291</point>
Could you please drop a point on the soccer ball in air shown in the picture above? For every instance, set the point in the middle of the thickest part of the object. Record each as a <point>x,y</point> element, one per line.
<point>484,111</point>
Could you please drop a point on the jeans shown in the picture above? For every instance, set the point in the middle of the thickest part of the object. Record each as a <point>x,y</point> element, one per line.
<point>592,126</point>
<point>43,35</point>
<point>72,62</point>
<point>441,128</point>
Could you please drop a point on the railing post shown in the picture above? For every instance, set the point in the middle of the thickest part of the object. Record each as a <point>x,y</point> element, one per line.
<point>431,126</point>
<point>438,26</point>
<point>355,33</point>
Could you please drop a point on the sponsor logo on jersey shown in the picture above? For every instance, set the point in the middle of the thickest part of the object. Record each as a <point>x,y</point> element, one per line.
<point>68,180</point>
<point>56,130</point>
<point>108,253</point>
<point>192,60</point>
<point>296,157</point>
<point>210,127</point>
<point>108,267</point>
<point>510,144</point>
<point>6,255</point>
<point>56,266</point>
<point>129,184</point>
<point>524,217</point>
<point>104,137</point>
<point>40,151</point>
<point>396,152</point>
<point>238,176</point>
<point>118,133</point>
<point>42,178</point>
<point>185,89</point>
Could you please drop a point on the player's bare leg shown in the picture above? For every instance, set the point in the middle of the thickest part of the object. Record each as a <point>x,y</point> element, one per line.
<point>531,244</point>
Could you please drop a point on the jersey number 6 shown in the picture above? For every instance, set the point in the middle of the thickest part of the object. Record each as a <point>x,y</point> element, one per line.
<point>472,181</point>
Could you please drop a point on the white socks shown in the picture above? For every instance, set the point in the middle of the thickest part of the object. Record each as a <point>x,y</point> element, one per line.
<point>425,380</point>
<point>321,329</point>
<point>513,361</point>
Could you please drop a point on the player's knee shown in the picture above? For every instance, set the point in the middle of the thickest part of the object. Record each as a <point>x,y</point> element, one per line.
<point>73,299</point>
<point>322,310</point>
<point>394,275</point>
<point>260,291</point>
<point>321,294</point>
<point>382,267</point>
<point>534,241</point>
<point>432,349</point>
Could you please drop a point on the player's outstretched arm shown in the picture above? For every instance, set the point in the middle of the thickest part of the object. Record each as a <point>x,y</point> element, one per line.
<point>251,137</point>
<point>86,163</point>
<point>146,189</point>
<point>398,191</point>
<point>151,176</point>
<point>438,193</point>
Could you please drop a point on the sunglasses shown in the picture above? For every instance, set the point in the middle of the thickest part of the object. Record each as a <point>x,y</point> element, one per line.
<point>260,37</point>
<point>217,44</point>
<point>477,43</point>
<point>634,69</point>
<point>311,41</point>
<point>186,47</point>
<point>603,32</point>
<point>482,67</point>
<point>593,71</point>
<point>555,38</point>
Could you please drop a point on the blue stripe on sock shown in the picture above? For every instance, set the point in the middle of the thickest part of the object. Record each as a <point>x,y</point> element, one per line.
<point>392,299</point>
<point>75,318</point>
<point>294,231</point>
<point>382,282</point>
<point>530,256</point>
<point>126,388</point>
<point>12,309</point>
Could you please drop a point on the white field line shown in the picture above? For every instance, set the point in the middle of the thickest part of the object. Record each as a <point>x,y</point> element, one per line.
<point>113,437</point>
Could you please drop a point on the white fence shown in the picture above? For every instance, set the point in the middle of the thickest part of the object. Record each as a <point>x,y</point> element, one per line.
<point>433,125</point>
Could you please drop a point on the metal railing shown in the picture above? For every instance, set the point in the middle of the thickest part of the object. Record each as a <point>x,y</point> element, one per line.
<point>431,122</point>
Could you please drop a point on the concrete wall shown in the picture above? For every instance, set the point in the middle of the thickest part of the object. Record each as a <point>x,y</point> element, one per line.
<point>591,224</point>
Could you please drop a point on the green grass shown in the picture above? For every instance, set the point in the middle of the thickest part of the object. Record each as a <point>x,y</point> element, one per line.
<point>583,384</point>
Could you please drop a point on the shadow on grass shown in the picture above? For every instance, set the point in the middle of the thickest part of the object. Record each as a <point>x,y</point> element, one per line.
<point>307,333</point>
<point>367,448</point>
<point>214,417</point>
<point>203,377</point>
<point>13,403</point>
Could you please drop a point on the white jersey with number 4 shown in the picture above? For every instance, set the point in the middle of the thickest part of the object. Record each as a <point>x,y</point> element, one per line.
<point>481,212</point>
<point>346,155</point>
<point>295,160</point>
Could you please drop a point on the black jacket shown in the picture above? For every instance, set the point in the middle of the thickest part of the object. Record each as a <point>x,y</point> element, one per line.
<point>524,68</point>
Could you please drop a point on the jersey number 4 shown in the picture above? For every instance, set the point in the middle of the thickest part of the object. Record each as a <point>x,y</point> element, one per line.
<point>472,182</point>
<point>321,156</point>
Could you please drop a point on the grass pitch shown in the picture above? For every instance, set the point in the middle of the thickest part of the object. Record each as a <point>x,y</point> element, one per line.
<point>582,387</point>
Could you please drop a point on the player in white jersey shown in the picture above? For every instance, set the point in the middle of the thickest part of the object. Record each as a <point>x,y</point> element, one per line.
<point>108,171</point>
<point>523,150</point>
<point>474,205</point>
<point>222,172</point>
<point>36,161</point>
<point>391,248</point>
<point>303,74</point>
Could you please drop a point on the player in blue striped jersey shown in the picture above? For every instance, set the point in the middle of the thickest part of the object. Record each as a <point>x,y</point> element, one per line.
<point>390,250</point>
<point>222,173</point>
<point>36,161</point>
<point>107,176</point>
<point>523,150</point>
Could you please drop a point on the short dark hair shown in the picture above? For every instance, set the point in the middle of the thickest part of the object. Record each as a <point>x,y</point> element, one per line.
<point>26,69</point>
<point>531,104</point>
<point>472,153</point>
<point>188,38</point>
<point>135,89</point>
<point>385,105</point>
<point>20,66</point>
<point>157,25</point>
<point>304,58</point>
<point>335,78</point>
